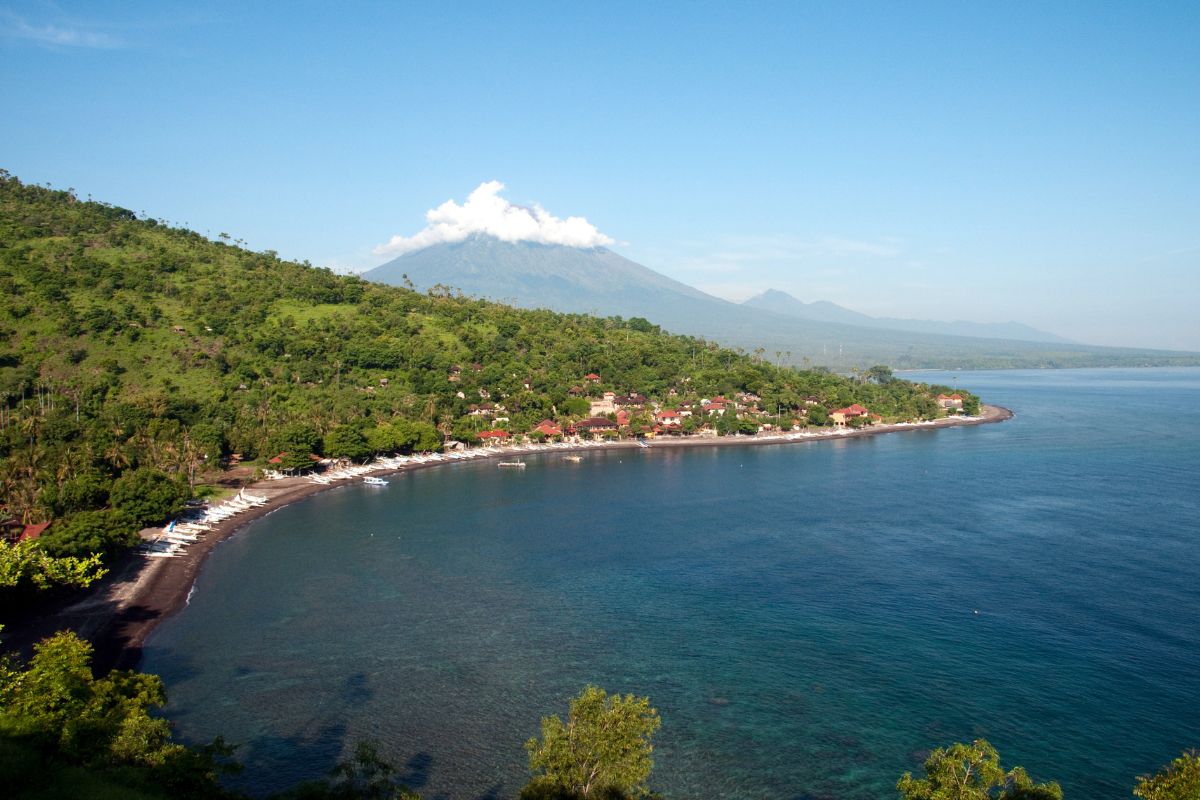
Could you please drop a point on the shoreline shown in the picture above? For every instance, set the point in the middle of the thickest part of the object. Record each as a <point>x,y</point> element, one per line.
<point>119,613</point>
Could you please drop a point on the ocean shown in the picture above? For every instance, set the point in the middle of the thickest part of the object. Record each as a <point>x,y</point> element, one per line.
<point>809,619</point>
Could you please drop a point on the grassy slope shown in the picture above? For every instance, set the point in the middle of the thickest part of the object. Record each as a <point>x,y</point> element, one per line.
<point>123,342</point>
<point>91,295</point>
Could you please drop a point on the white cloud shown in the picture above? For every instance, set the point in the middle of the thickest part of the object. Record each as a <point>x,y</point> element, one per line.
<point>488,213</point>
<point>69,35</point>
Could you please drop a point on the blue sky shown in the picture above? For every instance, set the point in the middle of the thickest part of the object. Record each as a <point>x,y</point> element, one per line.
<point>1027,161</point>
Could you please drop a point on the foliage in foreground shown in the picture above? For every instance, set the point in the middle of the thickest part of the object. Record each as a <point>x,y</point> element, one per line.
<point>602,750</point>
<point>1179,780</point>
<point>56,714</point>
<point>973,772</point>
<point>67,734</point>
<point>26,565</point>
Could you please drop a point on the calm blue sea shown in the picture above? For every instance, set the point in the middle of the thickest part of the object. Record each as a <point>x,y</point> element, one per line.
<point>808,619</point>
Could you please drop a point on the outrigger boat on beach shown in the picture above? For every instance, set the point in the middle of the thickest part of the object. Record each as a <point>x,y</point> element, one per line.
<point>252,499</point>
<point>160,549</point>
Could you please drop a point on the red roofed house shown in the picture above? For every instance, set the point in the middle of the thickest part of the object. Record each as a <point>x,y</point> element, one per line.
<point>622,418</point>
<point>13,531</point>
<point>32,532</point>
<point>593,377</point>
<point>547,428</point>
<point>595,425</point>
<point>669,419</point>
<point>842,416</point>
<point>493,436</point>
<point>949,401</point>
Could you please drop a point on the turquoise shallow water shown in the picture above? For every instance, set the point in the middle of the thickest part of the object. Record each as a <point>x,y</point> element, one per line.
<point>803,616</point>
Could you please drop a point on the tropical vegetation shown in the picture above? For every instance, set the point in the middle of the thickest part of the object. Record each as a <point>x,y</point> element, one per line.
<point>602,750</point>
<point>65,733</point>
<point>138,359</point>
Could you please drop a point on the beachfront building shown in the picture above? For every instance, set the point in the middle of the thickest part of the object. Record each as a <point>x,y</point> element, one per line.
<point>595,427</point>
<point>669,419</point>
<point>841,417</point>
<point>547,428</point>
<point>950,401</point>
<point>494,437</point>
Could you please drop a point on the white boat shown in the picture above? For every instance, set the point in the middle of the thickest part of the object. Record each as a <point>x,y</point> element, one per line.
<point>371,480</point>
<point>513,464</point>
<point>573,459</point>
<point>159,549</point>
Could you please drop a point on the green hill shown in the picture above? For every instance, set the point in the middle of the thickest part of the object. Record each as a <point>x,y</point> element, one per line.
<point>136,357</point>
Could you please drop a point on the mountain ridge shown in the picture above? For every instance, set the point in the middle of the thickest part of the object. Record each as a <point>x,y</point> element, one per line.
<point>599,281</point>
<point>825,311</point>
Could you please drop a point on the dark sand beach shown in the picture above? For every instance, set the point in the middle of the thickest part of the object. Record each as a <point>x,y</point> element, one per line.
<point>119,612</point>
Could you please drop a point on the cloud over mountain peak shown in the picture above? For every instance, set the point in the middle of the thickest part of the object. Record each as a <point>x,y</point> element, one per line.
<point>486,212</point>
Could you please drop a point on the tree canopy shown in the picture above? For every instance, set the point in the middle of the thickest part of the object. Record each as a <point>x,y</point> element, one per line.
<point>602,749</point>
<point>135,356</point>
<point>26,565</point>
<point>1179,780</point>
<point>972,772</point>
<point>105,724</point>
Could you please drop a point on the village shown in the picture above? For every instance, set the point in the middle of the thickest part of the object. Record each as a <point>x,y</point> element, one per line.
<point>610,417</point>
<point>613,416</point>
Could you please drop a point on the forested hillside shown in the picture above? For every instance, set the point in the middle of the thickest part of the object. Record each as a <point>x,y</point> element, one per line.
<point>135,358</point>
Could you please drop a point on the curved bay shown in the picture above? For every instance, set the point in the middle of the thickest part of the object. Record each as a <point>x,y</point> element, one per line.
<point>802,616</point>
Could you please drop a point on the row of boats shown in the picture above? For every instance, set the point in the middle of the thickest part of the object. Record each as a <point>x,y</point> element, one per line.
<point>180,533</point>
<point>399,462</point>
<point>186,531</point>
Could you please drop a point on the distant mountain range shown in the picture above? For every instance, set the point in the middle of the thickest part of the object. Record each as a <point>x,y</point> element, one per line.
<point>825,311</point>
<point>601,282</point>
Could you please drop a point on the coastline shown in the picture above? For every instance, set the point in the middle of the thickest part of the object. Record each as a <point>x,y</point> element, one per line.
<point>119,613</point>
